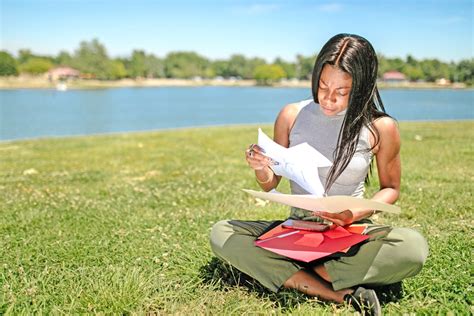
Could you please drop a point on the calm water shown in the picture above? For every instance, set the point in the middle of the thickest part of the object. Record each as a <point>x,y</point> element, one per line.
<point>42,113</point>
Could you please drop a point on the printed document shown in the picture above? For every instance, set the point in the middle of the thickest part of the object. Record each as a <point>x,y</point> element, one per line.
<point>299,163</point>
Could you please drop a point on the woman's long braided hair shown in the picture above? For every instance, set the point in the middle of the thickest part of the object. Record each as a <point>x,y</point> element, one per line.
<point>354,55</point>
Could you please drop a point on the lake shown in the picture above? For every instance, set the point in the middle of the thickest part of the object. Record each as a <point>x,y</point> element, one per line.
<point>27,113</point>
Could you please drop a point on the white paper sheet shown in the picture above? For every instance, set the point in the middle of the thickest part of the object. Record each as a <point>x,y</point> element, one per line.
<point>333,204</point>
<point>299,163</point>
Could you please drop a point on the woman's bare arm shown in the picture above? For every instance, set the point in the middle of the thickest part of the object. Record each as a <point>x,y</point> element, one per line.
<point>281,135</point>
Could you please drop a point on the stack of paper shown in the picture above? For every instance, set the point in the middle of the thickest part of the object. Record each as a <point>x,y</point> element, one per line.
<point>307,246</point>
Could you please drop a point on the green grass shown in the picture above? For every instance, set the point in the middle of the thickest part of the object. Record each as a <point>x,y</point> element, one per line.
<point>120,223</point>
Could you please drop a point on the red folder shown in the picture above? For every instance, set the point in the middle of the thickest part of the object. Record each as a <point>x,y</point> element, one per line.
<point>307,245</point>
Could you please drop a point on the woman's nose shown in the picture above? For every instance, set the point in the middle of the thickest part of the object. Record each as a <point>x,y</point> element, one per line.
<point>330,96</point>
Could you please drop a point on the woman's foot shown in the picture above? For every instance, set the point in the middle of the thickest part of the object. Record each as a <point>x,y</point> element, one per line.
<point>364,301</point>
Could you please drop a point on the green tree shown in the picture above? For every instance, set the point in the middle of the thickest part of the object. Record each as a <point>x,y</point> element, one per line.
<point>116,69</point>
<point>464,71</point>
<point>289,68</point>
<point>251,65</point>
<point>185,65</point>
<point>268,74</point>
<point>383,66</point>
<point>209,72</point>
<point>396,64</point>
<point>154,66</point>
<point>389,64</point>
<point>63,59</point>
<point>433,69</point>
<point>91,58</point>
<point>411,61</point>
<point>8,65</point>
<point>137,67</point>
<point>36,65</point>
<point>413,72</point>
<point>237,66</point>
<point>242,67</point>
<point>145,66</point>
<point>221,68</point>
<point>24,55</point>
<point>412,69</point>
<point>304,66</point>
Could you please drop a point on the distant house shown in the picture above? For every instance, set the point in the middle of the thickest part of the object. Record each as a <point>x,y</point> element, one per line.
<point>443,82</point>
<point>394,77</point>
<point>63,73</point>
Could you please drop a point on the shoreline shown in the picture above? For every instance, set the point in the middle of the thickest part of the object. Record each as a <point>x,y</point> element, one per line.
<point>191,127</point>
<point>11,83</point>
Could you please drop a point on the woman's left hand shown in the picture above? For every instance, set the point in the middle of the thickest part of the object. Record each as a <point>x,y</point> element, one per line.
<point>341,219</point>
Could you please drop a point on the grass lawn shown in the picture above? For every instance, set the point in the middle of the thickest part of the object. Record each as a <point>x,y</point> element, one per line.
<point>120,223</point>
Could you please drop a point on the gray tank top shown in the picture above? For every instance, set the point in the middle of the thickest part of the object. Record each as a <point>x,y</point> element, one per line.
<point>321,132</point>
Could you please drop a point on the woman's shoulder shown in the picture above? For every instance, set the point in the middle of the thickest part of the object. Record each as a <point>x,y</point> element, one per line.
<point>289,112</point>
<point>388,133</point>
<point>285,121</point>
<point>385,122</point>
<point>386,126</point>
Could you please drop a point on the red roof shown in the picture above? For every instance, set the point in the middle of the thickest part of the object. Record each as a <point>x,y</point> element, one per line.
<point>393,75</point>
<point>64,72</point>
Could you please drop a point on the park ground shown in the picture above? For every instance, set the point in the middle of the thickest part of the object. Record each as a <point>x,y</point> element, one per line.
<point>120,223</point>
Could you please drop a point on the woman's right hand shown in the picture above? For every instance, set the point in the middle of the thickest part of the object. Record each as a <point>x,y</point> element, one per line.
<point>255,157</point>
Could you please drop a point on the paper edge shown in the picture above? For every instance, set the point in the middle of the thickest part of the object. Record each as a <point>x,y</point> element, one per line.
<point>389,208</point>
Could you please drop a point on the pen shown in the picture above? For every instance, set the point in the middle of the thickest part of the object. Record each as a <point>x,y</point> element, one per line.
<point>287,234</point>
<point>281,236</point>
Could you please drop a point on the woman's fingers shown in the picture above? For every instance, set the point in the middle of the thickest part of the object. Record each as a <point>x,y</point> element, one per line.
<point>253,150</point>
<point>255,157</point>
<point>257,149</point>
<point>343,218</point>
<point>335,219</point>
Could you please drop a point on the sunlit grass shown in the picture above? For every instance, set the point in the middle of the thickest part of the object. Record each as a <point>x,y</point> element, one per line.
<point>120,223</point>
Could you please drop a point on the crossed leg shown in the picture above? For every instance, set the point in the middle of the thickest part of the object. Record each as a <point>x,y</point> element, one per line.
<point>314,285</point>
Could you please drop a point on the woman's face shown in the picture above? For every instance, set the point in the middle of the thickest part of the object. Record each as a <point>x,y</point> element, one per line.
<point>334,89</point>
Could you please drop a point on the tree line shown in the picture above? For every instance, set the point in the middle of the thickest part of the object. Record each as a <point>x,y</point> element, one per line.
<point>92,60</point>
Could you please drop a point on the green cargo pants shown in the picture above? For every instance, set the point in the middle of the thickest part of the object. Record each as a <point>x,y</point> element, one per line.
<point>388,256</point>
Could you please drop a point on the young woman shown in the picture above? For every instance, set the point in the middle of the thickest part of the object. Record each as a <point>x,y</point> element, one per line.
<point>346,122</point>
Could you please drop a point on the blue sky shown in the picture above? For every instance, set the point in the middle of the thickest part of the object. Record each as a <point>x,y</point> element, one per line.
<point>217,29</point>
